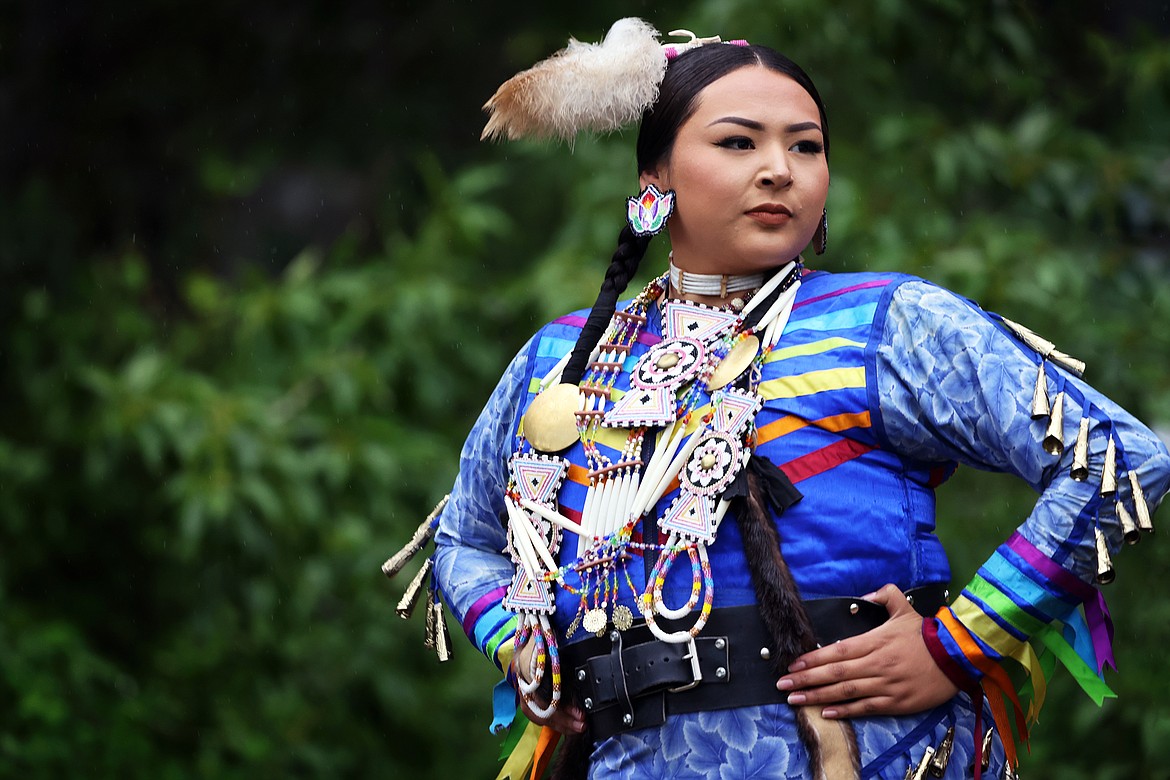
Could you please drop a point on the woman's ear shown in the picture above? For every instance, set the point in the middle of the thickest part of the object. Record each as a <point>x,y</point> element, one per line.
<point>652,177</point>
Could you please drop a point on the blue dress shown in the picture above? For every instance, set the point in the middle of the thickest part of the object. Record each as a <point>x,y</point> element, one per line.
<point>880,385</point>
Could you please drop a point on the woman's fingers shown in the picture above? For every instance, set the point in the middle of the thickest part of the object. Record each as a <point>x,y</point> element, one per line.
<point>567,718</point>
<point>865,708</point>
<point>872,695</point>
<point>887,671</point>
<point>845,650</point>
<point>846,690</point>
<point>829,672</point>
<point>892,598</point>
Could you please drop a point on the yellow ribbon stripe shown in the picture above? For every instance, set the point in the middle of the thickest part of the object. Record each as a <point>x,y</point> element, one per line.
<point>1002,605</point>
<point>1027,657</point>
<point>614,438</point>
<point>519,763</point>
<point>504,652</point>
<point>812,348</point>
<point>978,623</point>
<point>813,382</point>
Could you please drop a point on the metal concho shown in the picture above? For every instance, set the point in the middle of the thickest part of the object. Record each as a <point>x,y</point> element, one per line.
<point>713,464</point>
<point>623,617</point>
<point>669,364</point>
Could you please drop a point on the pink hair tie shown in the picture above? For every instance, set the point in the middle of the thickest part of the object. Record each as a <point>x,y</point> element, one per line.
<point>672,51</point>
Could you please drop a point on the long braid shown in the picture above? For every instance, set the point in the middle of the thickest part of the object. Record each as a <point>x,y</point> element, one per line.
<point>776,590</point>
<point>629,253</point>
<point>831,744</point>
<point>572,762</point>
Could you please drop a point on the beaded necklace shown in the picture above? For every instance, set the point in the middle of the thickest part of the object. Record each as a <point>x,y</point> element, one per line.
<point>703,350</point>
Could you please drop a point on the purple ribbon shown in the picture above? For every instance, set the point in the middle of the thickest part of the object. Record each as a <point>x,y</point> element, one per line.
<point>1101,629</point>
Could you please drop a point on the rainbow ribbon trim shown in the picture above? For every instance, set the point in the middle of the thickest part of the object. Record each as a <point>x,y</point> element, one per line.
<point>1022,606</point>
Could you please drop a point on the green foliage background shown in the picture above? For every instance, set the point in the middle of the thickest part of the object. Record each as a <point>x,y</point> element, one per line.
<point>257,276</point>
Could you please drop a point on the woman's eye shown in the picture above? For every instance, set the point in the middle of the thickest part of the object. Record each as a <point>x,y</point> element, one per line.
<point>737,142</point>
<point>808,147</point>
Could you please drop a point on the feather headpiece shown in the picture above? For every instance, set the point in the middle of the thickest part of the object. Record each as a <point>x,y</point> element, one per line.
<point>597,87</point>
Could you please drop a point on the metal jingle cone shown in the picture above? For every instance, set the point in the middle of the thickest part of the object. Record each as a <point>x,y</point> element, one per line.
<point>1029,337</point>
<point>1129,528</point>
<point>1068,361</point>
<point>430,627</point>
<point>1105,573</point>
<point>442,638</point>
<point>1045,347</point>
<point>1141,509</point>
<point>985,763</point>
<point>1054,436</point>
<point>942,756</point>
<point>1040,394</point>
<point>919,772</point>
<point>1080,464</point>
<point>421,536</point>
<point>1109,470</point>
<point>410,598</point>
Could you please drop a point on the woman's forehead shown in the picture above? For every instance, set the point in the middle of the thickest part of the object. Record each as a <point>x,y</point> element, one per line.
<point>756,93</point>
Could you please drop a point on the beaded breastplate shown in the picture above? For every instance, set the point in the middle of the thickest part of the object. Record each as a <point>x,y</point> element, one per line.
<point>704,352</point>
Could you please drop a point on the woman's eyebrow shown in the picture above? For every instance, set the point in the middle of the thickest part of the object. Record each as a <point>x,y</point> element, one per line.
<point>752,124</point>
<point>802,126</point>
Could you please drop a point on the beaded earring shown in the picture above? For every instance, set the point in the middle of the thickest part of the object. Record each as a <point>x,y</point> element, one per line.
<point>648,211</point>
<point>821,237</point>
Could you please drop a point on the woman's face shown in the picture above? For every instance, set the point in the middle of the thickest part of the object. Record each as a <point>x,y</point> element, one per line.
<point>749,172</point>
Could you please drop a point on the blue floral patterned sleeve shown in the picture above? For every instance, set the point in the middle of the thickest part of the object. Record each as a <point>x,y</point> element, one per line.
<point>954,384</point>
<point>470,566</point>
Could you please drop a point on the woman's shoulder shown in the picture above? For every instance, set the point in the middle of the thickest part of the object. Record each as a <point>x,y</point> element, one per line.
<point>894,289</point>
<point>554,340</point>
<point>824,291</point>
<point>817,283</point>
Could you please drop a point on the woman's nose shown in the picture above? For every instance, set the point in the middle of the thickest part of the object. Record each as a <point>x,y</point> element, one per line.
<point>775,172</point>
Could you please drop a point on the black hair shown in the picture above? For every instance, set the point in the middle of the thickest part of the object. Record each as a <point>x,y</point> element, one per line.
<point>686,76</point>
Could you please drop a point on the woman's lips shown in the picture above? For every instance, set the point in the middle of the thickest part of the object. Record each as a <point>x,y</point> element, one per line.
<point>770,214</point>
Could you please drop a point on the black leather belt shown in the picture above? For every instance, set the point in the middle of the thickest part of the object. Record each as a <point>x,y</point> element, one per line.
<point>628,680</point>
<point>836,619</point>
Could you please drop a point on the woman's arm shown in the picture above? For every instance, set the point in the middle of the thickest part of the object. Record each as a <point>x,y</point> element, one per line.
<point>471,569</point>
<point>953,385</point>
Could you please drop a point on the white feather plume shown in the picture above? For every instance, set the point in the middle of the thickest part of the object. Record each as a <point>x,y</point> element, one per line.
<point>598,87</point>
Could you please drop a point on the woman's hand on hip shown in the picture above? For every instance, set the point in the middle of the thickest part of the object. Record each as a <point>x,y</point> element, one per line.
<point>566,718</point>
<point>886,671</point>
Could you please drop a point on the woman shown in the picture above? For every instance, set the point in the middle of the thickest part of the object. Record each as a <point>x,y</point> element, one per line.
<point>715,501</point>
